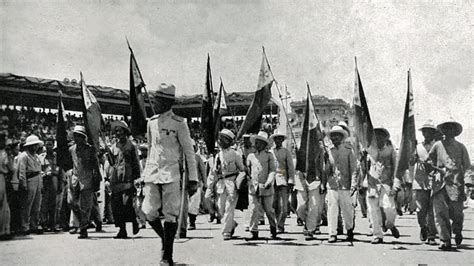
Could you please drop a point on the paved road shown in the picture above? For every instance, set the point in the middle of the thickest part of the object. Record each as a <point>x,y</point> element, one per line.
<point>205,246</point>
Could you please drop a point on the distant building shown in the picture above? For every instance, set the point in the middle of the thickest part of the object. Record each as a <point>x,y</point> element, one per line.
<point>329,112</point>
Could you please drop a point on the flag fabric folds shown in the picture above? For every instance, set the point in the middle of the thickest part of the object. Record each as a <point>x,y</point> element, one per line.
<point>253,118</point>
<point>138,115</point>
<point>283,125</point>
<point>363,128</point>
<point>92,116</point>
<point>220,109</point>
<point>207,112</point>
<point>311,135</point>
<point>63,155</point>
<point>408,142</point>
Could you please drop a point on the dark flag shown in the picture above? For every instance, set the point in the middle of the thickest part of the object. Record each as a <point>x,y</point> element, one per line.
<point>137,102</point>
<point>207,120</point>
<point>408,143</point>
<point>220,109</point>
<point>253,118</point>
<point>363,128</point>
<point>92,116</point>
<point>311,135</point>
<point>63,155</point>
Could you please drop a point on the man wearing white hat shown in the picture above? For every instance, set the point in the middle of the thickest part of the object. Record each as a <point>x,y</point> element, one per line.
<point>284,180</point>
<point>262,167</point>
<point>83,158</point>
<point>170,151</point>
<point>450,159</point>
<point>29,174</point>
<point>422,185</point>
<point>341,183</point>
<point>227,167</point>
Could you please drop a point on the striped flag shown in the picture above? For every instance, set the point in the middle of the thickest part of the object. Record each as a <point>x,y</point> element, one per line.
<point>408,142</point>
<point>92,116</point>
<point>207,116</point>
<point>64,157</point>
<point>253,118</point>
<point>138,115</point>
<point>363,128</point>
<point>310,137</point>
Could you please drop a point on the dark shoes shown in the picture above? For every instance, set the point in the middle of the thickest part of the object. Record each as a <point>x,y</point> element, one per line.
<point>431,242</point>
<point>135,228</point>
<point>83,234</point>
<point>350,235</point>
<point>458,239</point>
<point>73,230</point>
<point>395,232</point>
<point>273,232</point>
<point>192,222</point>
<point>122,234</point>
<point>332,239</point>
<point>445,246</point>
<point>423,234</point>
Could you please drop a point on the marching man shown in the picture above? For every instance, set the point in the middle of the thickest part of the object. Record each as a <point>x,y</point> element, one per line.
<point>227,167</point>
<point>168,141</point>
<point>341,184</point>
<point>284,179</point>
<point>262,167</point>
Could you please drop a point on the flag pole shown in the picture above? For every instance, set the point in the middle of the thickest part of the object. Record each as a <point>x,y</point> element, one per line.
<point>279,93</point>
<point>141,77</point>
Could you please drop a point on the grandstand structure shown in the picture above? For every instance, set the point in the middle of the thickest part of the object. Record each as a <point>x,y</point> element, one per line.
<point>18,90</point>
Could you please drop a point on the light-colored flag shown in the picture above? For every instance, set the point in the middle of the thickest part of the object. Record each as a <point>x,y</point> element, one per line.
<point>92,116</point>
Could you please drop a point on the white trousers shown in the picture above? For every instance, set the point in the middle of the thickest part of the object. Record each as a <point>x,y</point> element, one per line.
<point>339,199</point>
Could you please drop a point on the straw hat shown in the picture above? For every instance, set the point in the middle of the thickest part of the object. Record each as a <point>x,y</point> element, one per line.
<point>429,124</point>
<point>32,140</point>
<point>81,130</point>
<point>119,123</point>
<point>344,126</point>
<point>277,134</point>
<point>166,91</point>
<point>383,130</point>
<point>450,123</point>
<point>227,133</point>
<point>262,135</point>
<point>340,130</point>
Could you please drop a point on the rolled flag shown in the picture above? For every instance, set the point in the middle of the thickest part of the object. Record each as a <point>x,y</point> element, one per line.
<point>283,126</point>
<point>363,128</point>
<point>207,116</point>
<point>64,157</point>
<point>253,118</point>
<point>220,109</point>
<point>137,103</point>
<point>408,142</point>
<point>92,116</point>
<point>310,137</point>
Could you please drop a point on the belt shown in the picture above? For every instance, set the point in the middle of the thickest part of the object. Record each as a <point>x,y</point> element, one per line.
<point>31,174</point>
<point>230,175</point>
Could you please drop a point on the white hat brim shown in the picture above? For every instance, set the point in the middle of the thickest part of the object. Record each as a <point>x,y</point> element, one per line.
<point>33,143</point>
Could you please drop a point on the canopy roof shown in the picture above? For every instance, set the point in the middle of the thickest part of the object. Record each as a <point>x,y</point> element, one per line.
<point>43,93</point>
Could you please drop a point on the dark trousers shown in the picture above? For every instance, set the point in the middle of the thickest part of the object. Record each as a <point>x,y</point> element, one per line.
<point>362,197</point>
<point>444,211</point>
<point>424,213</point>
<point>280,204</point>
<point>48,202</point>
<point>14,200</point>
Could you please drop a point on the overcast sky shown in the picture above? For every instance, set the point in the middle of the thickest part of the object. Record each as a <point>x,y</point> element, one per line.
<point>308,40</point>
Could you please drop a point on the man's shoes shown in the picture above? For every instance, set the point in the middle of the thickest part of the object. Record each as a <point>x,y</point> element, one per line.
<point>370,233</point>
<point>227,236</point>
<point>192,227</point>
<point>350,235</point>
<point>280,231</point>
<point>299,222</point>
<point>254,236</point>
<point>135,228</point>
<point>364,215</point>
<point>377,240</point>
<point>233,229</point>
<point>166,262</point>
<point>431,242</point>
<point>73,231</point>
<point>332,239</point>
<point>395,232</point>
<point>122,234</point>
<point>261,222</point>
<point>212,217</point>
<point>38,231</point>
<point>423,234</point>
<point>98,228</point>
<point>309,236</point>
<point>273,232</point>
<point>183,234</point>
<point>317,231</point>
<point>445,246</point>
<point>458,239</point>
<point>192,222</point>
<point>218,220</point>
<point>83,234</point>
